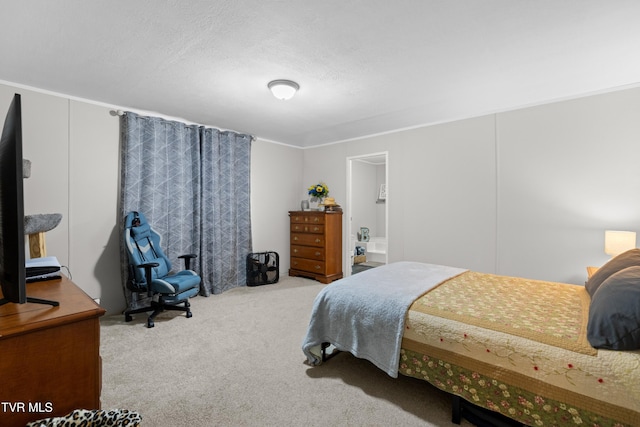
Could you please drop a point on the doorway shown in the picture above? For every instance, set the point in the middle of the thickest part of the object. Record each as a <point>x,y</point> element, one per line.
<point>367,212</point>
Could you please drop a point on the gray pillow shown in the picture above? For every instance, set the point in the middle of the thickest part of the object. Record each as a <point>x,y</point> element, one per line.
<point>614,313</point>
<point>622,261</point>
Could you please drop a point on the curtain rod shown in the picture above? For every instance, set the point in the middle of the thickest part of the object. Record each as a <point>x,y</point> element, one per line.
<point>121,113</point>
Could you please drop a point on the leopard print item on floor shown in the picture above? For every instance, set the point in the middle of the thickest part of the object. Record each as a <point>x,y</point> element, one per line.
<point>98,418</point>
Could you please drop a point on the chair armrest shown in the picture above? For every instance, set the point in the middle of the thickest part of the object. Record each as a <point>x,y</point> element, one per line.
<point>147,275</point>
<point>187,260</point>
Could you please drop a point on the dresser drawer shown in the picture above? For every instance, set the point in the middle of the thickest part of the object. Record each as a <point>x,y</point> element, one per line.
<point>309,265</point>
<point>307,239</point>
<point>307,228</point>
<point>307,252</point>
<point>307,218</point>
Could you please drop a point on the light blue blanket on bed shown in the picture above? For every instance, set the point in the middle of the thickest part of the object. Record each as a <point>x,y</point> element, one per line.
<point>364,314</point>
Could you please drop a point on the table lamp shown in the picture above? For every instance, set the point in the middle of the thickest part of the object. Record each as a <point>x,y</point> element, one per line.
<point>617,242</point>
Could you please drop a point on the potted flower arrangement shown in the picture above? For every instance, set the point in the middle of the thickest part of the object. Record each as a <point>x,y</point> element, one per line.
<point>318,192</point>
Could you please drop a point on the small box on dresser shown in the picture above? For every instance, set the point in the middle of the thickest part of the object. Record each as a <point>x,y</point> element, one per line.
<point>316,245</point>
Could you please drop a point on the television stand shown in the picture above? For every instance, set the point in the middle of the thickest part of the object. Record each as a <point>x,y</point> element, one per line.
<point>49,358</point>
<point>34,300</point>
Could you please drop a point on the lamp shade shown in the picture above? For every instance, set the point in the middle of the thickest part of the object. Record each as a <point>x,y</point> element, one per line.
<point>283,89</point>
<point>617,242</point>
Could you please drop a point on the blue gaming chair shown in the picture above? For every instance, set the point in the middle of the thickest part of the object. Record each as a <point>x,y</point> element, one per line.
<point>149,265</point>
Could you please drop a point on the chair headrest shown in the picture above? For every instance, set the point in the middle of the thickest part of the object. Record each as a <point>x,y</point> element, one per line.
<point>142,231</point>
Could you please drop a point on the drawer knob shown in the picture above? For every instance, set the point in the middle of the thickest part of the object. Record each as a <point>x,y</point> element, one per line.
<point>318,240</point>
<point>318,253</point>
<point>318,267</point>
<point>316,219</point>
<point>295,238</point>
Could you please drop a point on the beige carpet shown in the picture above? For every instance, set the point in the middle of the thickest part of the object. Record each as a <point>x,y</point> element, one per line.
<point>238,362</point>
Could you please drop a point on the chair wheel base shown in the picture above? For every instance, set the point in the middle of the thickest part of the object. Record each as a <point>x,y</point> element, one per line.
<point>157,308</point>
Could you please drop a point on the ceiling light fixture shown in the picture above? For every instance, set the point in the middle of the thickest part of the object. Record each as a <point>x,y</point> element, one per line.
<point>283,89</point>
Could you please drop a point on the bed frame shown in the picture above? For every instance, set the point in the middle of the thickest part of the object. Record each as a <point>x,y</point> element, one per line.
<point>460,408</point>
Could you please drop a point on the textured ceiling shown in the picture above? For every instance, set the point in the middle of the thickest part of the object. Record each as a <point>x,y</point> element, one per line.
<point>364,67</point>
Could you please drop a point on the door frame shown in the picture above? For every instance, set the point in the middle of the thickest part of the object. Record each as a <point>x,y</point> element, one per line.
<point>348,221</point>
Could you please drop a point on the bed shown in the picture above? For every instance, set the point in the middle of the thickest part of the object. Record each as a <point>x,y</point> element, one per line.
<point>522,348</point>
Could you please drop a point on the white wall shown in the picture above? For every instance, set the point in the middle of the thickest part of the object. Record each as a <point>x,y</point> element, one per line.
<point>276,174</point>
<point>567,172</point>
<point>73,149</point>
<point>526,193</point>
<point>442,194</point>
<point>93,202</point>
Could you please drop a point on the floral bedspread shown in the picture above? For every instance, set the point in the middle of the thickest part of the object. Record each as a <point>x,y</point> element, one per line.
<point>518,347</point>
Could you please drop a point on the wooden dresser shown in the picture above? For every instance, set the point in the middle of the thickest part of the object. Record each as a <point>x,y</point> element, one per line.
<point>316,245</point>
<point>49,356</point>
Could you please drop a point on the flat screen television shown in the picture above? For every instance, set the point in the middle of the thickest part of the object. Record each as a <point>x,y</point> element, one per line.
<point>12,241</point>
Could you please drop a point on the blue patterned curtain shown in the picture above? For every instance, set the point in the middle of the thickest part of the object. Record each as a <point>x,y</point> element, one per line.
<point>193,185</point>
<point>225,200</point>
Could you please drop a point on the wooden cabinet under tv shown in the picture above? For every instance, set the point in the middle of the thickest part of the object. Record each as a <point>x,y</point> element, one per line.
<point>316,245</point>
<point>49,356</point>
